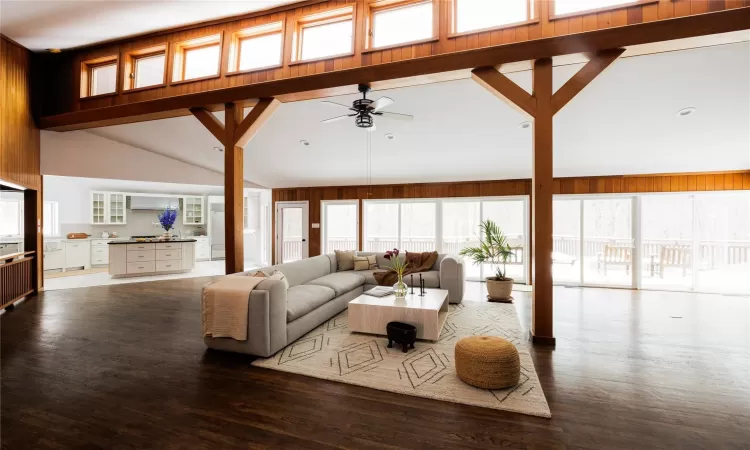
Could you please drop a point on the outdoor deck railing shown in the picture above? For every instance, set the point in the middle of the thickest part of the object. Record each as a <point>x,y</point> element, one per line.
<point>711,254</point>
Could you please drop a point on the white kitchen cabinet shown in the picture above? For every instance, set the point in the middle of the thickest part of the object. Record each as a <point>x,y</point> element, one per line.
<point>192,211</point>
<point>10,247</point>
<point>77,254</point>
<point>138,259</point>
<point>116,208</point>
<point>108,208</point>
<point>202,248</point>
<point>54,255</point>
<point>99,252</point>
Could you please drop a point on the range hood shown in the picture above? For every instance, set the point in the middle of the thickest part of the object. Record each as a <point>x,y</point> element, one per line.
<point>153,203</point>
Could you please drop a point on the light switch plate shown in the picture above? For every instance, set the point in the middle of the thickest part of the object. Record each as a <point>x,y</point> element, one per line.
<point>316,225</point>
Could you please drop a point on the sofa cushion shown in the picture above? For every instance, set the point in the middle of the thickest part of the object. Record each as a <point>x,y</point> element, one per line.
<point>300,272</point>
<point>304,298</point>
<point>344,260</point>
<point>340,282</point>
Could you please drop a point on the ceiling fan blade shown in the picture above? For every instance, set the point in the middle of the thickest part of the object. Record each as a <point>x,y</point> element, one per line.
<point>382,102</point>
<point>335,104</point>
<point>334,119</point>
<point>397,116</point>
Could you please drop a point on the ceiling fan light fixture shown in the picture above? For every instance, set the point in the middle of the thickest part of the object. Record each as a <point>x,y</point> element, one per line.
<point>686,111</point>
<point>364,121</point>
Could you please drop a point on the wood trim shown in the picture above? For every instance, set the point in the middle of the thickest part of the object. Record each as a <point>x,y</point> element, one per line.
<point>251,71</point>
<point>299,81</point>
<point>533,17</point>
<point>130,60</point>
<point>505,89</point>
<point>596,65</point>
<point>405,44</point>
<point>553,16</point>
<point>212,124</point>
<point>180,49</point>
<point>86,77</point>
<point>258,116</point>
<point>255,31</point>
<point>316,60</point>
<point>332,14</point>
<point>373,7</point>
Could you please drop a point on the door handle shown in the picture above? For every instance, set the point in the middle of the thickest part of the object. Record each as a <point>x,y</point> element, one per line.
<point>304,240</point>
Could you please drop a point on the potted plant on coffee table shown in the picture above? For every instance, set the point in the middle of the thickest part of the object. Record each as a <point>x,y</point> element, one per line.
<point>493,249</point>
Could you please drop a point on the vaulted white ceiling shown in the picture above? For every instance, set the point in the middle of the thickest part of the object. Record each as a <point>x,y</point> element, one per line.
<point>624,122</point>
<point>44,24</point>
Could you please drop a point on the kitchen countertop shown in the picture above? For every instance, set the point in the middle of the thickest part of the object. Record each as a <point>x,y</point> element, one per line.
<point>150,241</point>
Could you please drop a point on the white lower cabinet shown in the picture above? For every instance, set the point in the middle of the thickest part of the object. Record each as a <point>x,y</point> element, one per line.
<point>99,252</point>
<point>54,255</point>
<point>151,259</point>
<point>77,254</point>
<point>202,248</point>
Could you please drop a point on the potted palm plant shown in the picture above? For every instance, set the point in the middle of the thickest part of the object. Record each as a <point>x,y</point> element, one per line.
<point>493,249</point>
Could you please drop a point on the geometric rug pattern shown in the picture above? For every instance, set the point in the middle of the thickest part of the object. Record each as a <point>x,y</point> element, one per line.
<point>332,352</point>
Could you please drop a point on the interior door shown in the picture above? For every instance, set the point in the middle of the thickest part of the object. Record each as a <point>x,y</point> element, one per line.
<point>292,223</point>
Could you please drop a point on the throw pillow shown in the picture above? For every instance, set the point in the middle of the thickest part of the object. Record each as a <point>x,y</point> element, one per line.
<point>361,263</point>
<point>258,273</point>
<point>372,262</point>
<point>345,260</point>
<point>277,275</point>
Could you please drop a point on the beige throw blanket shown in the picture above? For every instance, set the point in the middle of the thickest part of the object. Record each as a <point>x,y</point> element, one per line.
<point>225,306</point>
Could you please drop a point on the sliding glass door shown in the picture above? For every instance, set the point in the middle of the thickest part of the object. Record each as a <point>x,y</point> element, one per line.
<point>461,229</point>
<point>667,223</point>
<point>608,246</point>
<point>566,241</point>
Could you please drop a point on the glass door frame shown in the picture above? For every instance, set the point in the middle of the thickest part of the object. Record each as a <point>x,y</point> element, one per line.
<point>278,231</point>
<point>526,199</point>
<point>635,227</point>
<point>324,220</point>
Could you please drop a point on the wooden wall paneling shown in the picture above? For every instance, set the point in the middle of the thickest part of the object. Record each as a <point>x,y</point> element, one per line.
<point>19,135</point>
<point>60,101</point>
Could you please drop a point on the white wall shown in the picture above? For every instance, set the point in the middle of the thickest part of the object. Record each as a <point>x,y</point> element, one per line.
<point>82,154</point>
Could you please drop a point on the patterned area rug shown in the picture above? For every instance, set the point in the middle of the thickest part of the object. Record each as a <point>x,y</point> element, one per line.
<point>332,352</point>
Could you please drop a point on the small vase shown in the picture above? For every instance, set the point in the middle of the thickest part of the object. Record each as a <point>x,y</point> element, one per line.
<point>400,288</point>
<point>166,235</point>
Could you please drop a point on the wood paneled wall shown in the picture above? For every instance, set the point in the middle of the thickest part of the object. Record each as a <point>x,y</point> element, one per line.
<point>19,136</point>
<point>63,70</point>
<point>739,180</point>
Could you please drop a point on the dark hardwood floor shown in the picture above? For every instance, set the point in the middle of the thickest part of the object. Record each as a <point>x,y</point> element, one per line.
<point>124,366</point>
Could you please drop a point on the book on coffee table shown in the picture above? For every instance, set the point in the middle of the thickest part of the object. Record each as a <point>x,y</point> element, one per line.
<point>379,291</point>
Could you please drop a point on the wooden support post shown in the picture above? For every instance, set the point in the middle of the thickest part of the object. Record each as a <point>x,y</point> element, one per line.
<point>235,134</point>
<point>542,105</point>
<point>541,205</point>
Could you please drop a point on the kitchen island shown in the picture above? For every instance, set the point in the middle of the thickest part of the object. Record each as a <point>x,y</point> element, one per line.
<point>132,258</point>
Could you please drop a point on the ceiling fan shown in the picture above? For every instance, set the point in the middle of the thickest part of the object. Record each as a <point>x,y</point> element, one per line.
<point>364,109</point>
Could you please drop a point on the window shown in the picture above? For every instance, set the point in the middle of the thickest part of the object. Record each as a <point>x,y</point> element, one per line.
<point>449,225</point>
<point>99,76</point>
<point>571,7</point>
<point>393,23</point>
<point>339,225</point>
<point>50,219</point>
<point>145,67</point>
<point>325,35</point>
<point>197,58</point>
<point>11,217</point>
<point>472,15</point>
<point>256,48</point>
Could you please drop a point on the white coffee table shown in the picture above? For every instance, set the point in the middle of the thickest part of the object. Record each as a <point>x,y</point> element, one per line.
<point>369,314</point>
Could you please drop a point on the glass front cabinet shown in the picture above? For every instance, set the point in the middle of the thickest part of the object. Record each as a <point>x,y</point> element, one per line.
<point>108,208</point>
<point>192,211</point>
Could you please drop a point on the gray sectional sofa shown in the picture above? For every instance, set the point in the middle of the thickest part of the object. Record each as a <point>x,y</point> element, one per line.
<point>317,291</point>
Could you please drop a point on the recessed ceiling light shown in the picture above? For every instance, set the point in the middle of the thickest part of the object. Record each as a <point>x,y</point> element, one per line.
<point>54,50</point>
<point>686,111</point>
<point>524,125</point>
<point>218,149</point>
<point>304,142</point>
<point>390,136</point>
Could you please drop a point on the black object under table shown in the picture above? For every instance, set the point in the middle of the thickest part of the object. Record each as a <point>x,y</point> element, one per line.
<point>401,333</point>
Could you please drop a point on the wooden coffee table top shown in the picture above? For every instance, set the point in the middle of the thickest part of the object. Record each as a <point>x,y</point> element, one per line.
<point>433,300</point>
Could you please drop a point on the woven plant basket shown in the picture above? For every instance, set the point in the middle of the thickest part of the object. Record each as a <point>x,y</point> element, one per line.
<point>487,362</point>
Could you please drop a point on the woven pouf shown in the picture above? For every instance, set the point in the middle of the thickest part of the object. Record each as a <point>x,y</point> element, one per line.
<point>487,362</point>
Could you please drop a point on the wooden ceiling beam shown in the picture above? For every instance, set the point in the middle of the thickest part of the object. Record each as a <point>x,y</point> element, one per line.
<point>596,65</point>
<point>257,117</point>
<point>588,42</point>
<point>209,121</point>
<point>503,88</point>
